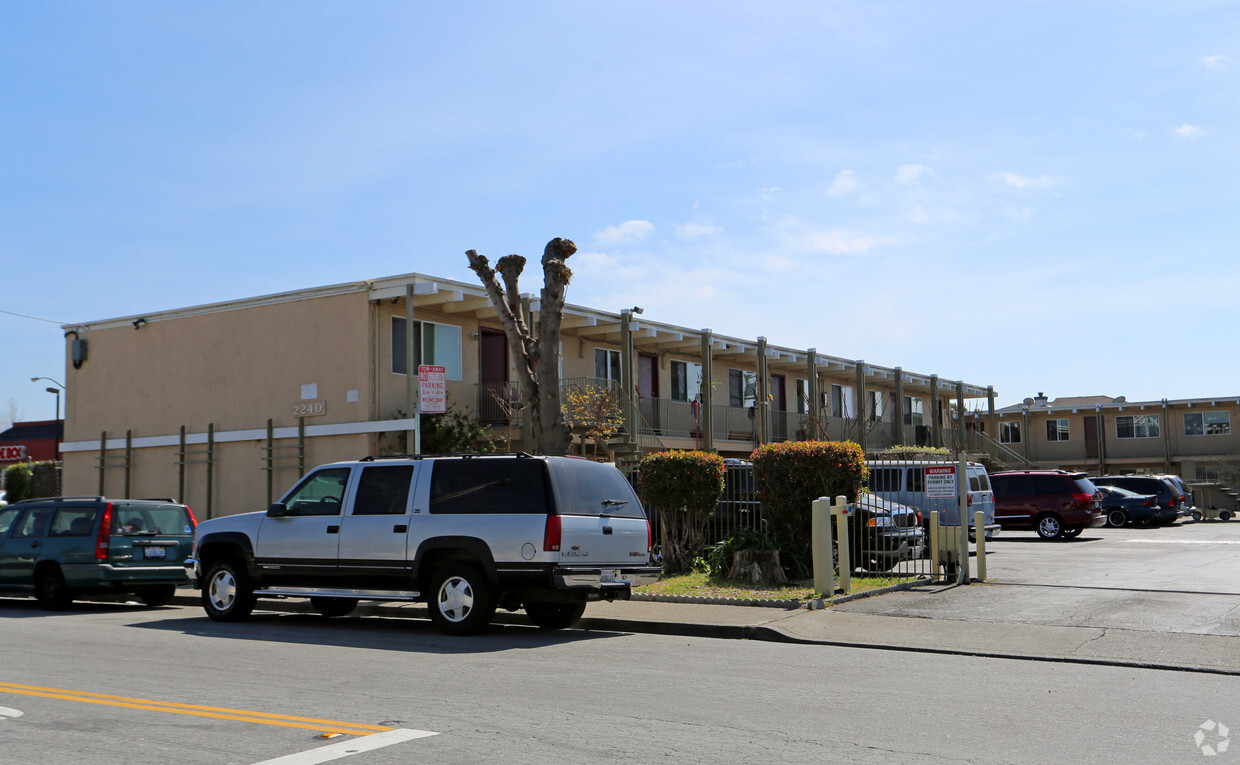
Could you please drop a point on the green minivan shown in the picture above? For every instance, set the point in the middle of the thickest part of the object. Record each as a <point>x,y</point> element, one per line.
<point>61,547</point>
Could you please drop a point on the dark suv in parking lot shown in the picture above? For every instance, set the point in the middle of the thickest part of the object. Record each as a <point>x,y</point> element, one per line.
<point>1055,503</point>
<point>1167,494</point>
<point>58,548</point>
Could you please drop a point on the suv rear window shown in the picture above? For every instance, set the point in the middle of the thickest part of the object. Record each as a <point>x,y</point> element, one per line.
<point>592,488</point>
<point>488,486</point>
<point>74,520</point>
<point>149,519</point>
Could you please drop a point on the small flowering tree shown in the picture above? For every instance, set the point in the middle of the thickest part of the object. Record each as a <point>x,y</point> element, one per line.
<point>595,412</point>
<point>789,476</point>
<point>684,487</point>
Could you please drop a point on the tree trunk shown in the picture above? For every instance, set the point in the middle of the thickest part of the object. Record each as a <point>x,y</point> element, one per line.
<point>536,353</point>
<point>757,567</point>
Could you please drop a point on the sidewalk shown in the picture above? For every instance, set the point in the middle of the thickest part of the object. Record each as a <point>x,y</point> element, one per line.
<point>1090,645</point>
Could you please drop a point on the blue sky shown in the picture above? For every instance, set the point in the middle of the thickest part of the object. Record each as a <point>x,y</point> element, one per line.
<point>1035,196</point>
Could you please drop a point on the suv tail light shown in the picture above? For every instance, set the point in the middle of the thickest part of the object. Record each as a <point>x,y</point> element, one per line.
<point>649,537</point>
<point>192,520</point>
<point>551,534</point>
<point>1171,502</point>
<point>105,530</point>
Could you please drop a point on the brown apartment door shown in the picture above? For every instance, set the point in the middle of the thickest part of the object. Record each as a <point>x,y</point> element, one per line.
<point>1091,438</point>
<point>648,387</point>
<point>779,408</point>
<point>492,374</point>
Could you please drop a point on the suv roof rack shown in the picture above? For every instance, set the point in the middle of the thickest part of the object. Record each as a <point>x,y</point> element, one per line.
<point>466,455</point>
<point>56,499</point>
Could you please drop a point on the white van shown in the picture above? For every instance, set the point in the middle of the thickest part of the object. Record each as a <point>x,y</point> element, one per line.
<point>904,481</point>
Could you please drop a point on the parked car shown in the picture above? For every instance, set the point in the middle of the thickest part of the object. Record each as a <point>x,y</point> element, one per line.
<point>1123,506</point>
<point>882,533</point>
<point>1169,495</point>
<point>1055,503</point>
<point>465,534</point>
<point>904,481</point>
<point>739,503</point>
<point>1186,494</point>
<point>62,547</point>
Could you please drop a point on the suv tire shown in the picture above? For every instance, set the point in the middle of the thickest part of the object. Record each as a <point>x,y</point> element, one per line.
<point>1116,518</point>
<point>555,616</point>
<point>227,593</point>
<point>154,597</point>
<point>331,607</point>
<point>1049,526</point>
<point>461,601</point>
<point>50,589</point>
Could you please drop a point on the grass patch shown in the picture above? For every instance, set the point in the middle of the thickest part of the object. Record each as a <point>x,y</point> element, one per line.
<point>700,585</point>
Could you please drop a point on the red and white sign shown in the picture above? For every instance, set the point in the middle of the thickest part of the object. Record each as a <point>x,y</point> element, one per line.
<point>432,389</point>
<point>11,453</point>
<point>941,482</point>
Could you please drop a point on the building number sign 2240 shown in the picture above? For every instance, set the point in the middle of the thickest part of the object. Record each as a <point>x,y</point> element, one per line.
<point>309,408</point>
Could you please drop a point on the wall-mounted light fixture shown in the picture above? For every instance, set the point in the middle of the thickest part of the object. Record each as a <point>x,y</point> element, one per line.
<point>139,323</point>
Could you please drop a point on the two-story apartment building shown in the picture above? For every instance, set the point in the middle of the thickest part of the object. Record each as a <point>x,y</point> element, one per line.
<point>225,405</point>
<point>1192,438</point>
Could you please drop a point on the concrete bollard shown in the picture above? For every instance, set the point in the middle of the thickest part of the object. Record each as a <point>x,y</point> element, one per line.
<point>821,539</point>
<point>840,510</point>
<point>979,523</point>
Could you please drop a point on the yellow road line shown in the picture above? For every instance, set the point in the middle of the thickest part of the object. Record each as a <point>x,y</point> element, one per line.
<point>172,707</point>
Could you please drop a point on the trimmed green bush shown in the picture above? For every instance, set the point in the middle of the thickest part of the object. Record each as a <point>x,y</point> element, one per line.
<point>17,482</point>
<point>790,475</point>
<point>684,487</point>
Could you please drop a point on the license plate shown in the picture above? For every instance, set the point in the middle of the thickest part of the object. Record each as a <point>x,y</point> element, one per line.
<point>608,577</point>
<point>155,553</point>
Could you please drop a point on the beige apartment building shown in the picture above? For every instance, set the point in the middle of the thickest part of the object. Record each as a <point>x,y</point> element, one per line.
<point>225,406</point>
<point>1192,438</point>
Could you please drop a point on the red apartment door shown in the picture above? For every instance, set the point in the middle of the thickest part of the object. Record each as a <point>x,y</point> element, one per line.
<point>492,374</point>
<point>648,387</point>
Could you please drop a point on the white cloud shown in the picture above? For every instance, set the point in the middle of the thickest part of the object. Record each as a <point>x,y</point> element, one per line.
<point>771,192</point>
<point>690,231</point>
<point>1217,61</point>
<point>629,231</point>
<point>845,181</point>
<point>1189,131</point>
<point>837,242</point>
<point>599,261</point>
<point>909,175</point>
<point>1026,182</point>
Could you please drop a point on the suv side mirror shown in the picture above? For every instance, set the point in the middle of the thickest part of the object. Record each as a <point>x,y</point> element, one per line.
<point>277,510</point>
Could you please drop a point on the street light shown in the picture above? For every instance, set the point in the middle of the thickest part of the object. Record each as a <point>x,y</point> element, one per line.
<point>53,382</point>
<point>56,422</point>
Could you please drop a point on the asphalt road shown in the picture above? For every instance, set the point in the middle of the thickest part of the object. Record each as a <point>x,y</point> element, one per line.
<point>1179,578</point>
<point>110,683</point>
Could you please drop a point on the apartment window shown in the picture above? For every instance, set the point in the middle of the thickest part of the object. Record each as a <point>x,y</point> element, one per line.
<point>802,397</point>
<point>1009,432</point>
<point>840,401</point>
<point>686,380</point>
<point>742,388</point>
<point>1207,423</point>
<point>1057,430</point>
<point>914,411</point>
<point>438,344</point>
<point>607,364</point>
<point>1136,426</point>
<point>876,407</point>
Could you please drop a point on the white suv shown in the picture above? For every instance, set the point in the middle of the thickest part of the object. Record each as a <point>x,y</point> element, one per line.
<point>465,533</point>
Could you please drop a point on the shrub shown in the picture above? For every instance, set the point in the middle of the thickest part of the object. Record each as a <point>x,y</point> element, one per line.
<point>914,453</point>
<point>684,487</point>
<point>44,479</point>
<point>17,482</point>
<point>789,476</point>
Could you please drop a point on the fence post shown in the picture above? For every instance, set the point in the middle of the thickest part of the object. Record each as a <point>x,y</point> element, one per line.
<point>979,533</point>
<point>840,511</point>
<point>820,535</point>
<point>934,543</point>
<point>962,517</point>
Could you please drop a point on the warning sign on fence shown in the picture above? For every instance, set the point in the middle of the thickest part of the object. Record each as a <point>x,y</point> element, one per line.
<point>941,482</point>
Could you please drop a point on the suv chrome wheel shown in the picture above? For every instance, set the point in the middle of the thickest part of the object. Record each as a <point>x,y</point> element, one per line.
<point>227,595</point>
<point>461,602</point>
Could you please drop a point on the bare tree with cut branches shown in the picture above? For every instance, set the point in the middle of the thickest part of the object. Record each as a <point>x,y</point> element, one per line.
<point>534,349</point>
